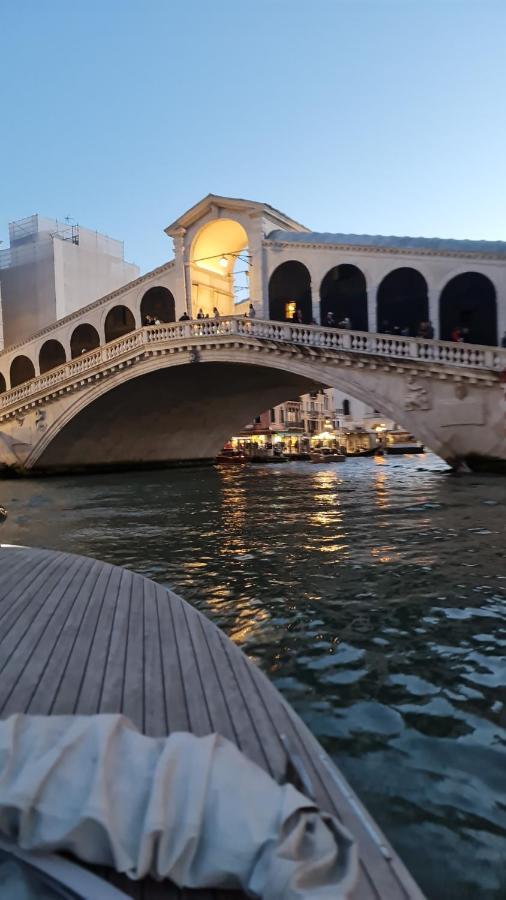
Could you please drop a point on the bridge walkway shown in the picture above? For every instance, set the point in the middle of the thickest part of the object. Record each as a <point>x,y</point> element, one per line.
<point>78,636</point>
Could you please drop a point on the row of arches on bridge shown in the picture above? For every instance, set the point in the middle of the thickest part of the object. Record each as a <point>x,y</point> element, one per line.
<point>468,301</point>
<point>157,303</point>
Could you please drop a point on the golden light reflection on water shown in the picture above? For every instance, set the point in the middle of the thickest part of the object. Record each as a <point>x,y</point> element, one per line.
<point>381,496</point>
<point>241,631</point>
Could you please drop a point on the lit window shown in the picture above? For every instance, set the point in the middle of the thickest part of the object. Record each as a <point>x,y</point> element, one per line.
<point>290,310</point>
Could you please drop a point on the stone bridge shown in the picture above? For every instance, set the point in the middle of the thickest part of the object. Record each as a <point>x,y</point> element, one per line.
<point>176,392</point>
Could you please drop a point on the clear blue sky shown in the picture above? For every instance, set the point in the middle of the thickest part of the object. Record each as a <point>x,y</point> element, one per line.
<point>378,116</point>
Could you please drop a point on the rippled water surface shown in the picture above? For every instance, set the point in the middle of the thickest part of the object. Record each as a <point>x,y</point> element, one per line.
<point>371,592</point>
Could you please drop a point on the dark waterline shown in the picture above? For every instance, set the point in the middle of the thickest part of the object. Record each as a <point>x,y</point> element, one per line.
<point>371,592</point>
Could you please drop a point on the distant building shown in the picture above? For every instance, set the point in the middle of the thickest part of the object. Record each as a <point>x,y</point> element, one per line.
<point>52,269</point>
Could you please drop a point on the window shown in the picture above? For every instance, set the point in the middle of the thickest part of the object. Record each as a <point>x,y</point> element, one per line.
<point>273,415</point>
<point>290,310</point>
<point>346,408</point>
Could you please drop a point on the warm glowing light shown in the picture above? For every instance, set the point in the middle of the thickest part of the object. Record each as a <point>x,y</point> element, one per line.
<point>223,261</point>
<point>290,309</point>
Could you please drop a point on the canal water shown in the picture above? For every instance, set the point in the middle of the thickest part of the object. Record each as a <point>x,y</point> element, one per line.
<point>373,594</point>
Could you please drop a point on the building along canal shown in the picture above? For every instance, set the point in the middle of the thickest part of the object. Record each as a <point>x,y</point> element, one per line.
<point>372,593</point>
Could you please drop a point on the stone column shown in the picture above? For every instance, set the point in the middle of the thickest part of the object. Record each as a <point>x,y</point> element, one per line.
<point>182,293</point>
<point>433,294</point>
<point>315,299</point>
<point>372,307</point>
<point>258,285</point>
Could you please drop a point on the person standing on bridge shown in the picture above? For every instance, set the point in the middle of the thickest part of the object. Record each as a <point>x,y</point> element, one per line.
<point>216,312</point>
<point>200,314</point>
<point>251,312</point>
<point>503,342</point>
<point>345,323</point>
<point>330,321</point>
<point>185,317</point>
<point>299,318</point>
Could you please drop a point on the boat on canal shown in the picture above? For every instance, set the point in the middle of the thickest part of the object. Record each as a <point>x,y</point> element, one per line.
<point>231,457</point>
<point>402,442</point>
<point>81,638</point>
<point>327,456</point>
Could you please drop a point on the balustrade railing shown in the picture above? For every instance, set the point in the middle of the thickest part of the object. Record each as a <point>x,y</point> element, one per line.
<point>317,336</point>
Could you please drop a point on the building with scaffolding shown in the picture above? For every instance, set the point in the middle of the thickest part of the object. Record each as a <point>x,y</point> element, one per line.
<point>54,268</point>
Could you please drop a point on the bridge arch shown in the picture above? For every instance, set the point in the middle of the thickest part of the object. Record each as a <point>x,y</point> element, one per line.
<point>290,292</point>
<point>118,321</point>
<point>402,301</point>
<point>51,355</point>
<point>84,338</point>
<point>468,301</point>
<point>158,303</point>
<point>343,293</point>
<point>109,421</point>
<point>22,369</point>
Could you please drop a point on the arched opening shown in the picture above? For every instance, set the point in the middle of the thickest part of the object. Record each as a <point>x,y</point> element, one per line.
<point>343,295</point>
<point>403,302</point>
<point>51,355</point>
<point>468,303</point>
<point>119,321</point>
<point>84,338</point>
<point>219,259</point>
<point>290,293</point>
<point>158,304</point>
<point>3,385</point>
<point>22,369</point>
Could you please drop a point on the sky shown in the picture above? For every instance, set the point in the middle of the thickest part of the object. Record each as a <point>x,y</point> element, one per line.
<point>359,116</point>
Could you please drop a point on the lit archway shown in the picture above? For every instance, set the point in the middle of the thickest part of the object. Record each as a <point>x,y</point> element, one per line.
<point>51,355</point>
<point>158,303</point>
<point>84,338</point>
<point>119,321</point>
<point>22,369</point>
<point>343,294</point>
<point>403,302</point>
<point>468,302</point>
<point>218,255</point>
<point>290,293</point>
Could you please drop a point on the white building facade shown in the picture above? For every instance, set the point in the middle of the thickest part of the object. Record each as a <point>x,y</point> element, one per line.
<point>52,269</point>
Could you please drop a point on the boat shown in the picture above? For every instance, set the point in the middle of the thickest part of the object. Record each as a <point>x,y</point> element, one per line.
<point>231,457</point>
<point>327,456</point>
<point>95,638</point>
<point>402,442</point>
<point>369,451</point>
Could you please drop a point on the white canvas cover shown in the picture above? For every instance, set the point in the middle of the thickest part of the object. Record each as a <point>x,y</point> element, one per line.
<point>194,810</point>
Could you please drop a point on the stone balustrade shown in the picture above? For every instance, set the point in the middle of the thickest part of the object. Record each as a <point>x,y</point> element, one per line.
<point>88,365</point>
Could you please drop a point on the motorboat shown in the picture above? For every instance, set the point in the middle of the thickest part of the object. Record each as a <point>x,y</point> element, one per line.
<point>231,457</point>
<point>402,442</point>
<point>327,456</point>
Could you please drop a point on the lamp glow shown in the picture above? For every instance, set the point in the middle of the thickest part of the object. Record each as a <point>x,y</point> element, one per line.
<point>223,261</point>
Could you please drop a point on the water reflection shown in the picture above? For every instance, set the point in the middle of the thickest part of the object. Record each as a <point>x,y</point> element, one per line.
<point>372,592</point>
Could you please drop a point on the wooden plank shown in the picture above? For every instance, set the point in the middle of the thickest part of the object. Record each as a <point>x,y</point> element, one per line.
<point>112,686</point>
<point>196,700</point>
<point>156,721</point>
<point>89,688</point>
<point>57,681</point>
<point>132,700</point>
<point>21,651</point>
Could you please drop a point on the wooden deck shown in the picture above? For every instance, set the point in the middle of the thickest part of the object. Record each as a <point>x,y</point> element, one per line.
<point>79,636</point>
